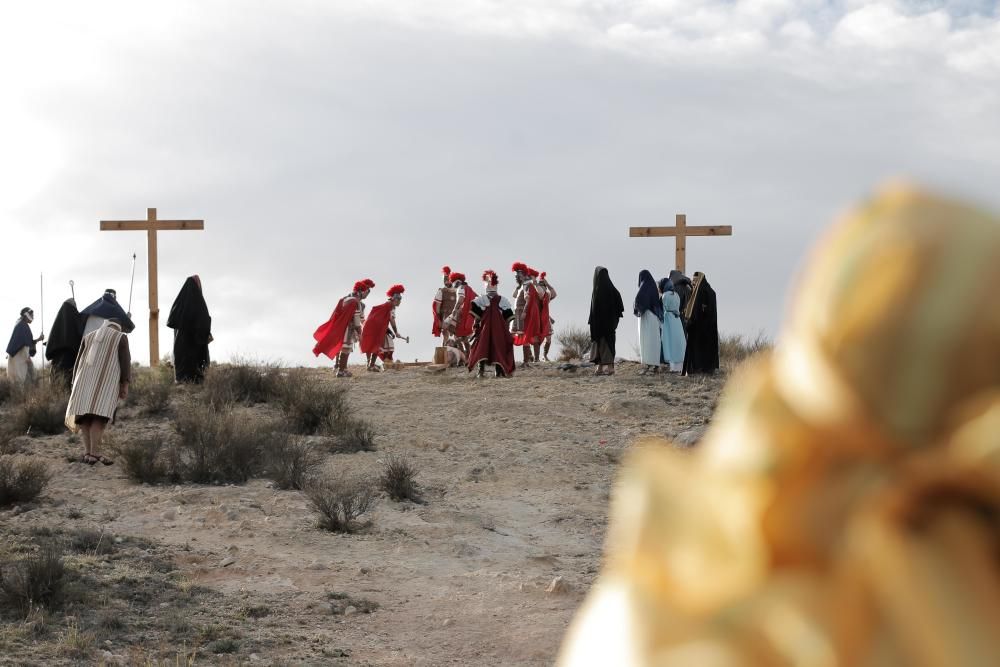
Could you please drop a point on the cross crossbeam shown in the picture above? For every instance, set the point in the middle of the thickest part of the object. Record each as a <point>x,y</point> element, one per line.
<point>151,225</point>
<point>680,232</point>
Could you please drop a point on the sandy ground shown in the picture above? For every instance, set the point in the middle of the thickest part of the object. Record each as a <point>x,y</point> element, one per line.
<point>516,477</point>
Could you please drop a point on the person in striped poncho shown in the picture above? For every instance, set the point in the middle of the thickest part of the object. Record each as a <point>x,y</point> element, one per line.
<point>100,380</point>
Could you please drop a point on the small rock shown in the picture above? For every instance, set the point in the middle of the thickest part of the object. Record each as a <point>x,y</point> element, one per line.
<point>233,515</point>
<point>316,565</point>
<point>169,515</point>
<point>444,446</point>
<point>254,657</point>
<point>227,562</point>
<point>448,622</point>
<point>351,610</point>
<point>689,438</point>
<point>558,586</point>
<point>119,539</point>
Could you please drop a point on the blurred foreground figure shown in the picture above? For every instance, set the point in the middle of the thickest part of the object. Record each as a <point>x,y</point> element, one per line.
<point>845,507</point>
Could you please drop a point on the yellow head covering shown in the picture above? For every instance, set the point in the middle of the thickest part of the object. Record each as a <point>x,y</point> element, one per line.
<point>844,509</point>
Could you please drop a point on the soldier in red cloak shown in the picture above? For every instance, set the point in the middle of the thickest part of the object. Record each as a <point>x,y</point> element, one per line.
<point>444,303</point>
<point>337,336</point>
<point>379,332</point>
<point>494,343</point>
<point>461,322</point>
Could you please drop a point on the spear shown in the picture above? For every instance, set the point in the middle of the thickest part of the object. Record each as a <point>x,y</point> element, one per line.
<point>41,314</point>
<point>131,285</point>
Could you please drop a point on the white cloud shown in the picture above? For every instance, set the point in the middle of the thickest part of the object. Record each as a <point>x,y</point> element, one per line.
<point>322,142</point>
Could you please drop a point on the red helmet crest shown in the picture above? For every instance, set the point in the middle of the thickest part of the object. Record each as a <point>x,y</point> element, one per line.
<point>394,290</point>
<point>456,276</point>
<point>519,266</point>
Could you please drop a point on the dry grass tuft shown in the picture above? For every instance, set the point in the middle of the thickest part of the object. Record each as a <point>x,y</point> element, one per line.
<point>311,407</point>
<point>356,435</point>
<point>6,389</point>
<point>292,461</point>
<point>21,479</point>
<point>148,460</point>
<point>151,390</point>
<point>39,409</point>
<point>243,381</point>
<point>35,581</point>
<point>340,501</point>
<point>398,479</point>
<point>734,349</point>
<point>575,343</point>
<point>219,446</point>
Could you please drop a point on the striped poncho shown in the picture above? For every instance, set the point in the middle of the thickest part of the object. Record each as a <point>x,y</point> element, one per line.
<point>96,375</point>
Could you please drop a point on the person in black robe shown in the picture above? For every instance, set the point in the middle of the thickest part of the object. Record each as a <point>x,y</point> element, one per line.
<point>682,287</point>
<point>702,353</point>
<point>606,310</point>
<point>192,327</point>
<point>64,341</point>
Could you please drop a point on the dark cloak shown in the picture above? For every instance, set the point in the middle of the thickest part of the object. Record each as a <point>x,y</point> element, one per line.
<point>494,343</point>
<point>682,285</point>
<point>606,307</point>
<point>192,325</point>
<point>648,297</point>
<point>702,353</point>
<point>108,308</point>
<point>21,337</point>
<point>64,339</point>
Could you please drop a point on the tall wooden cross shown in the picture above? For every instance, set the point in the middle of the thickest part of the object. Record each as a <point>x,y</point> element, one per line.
<point>680,232</point>
<point>151,225</point>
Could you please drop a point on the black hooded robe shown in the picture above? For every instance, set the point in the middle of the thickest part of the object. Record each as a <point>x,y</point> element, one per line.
<point>702,353</point>
<point>64,339</point>
<point>192,327</point>
<point>606,310</point>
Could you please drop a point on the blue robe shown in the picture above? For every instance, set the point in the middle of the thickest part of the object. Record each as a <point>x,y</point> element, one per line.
<point>672,334</point>
<point>21,337</point>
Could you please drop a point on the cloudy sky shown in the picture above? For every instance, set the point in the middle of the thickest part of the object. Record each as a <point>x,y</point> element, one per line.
<point>325,142</point>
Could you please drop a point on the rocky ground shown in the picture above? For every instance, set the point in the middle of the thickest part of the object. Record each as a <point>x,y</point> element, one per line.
<point>487,570</point>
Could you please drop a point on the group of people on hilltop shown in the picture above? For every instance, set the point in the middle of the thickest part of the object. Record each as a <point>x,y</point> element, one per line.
<point>678,323</point>
<point>476,330</point>
<point>90,355</point>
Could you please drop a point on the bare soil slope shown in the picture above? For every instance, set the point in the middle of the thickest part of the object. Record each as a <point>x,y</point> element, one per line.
<point>516,476</point>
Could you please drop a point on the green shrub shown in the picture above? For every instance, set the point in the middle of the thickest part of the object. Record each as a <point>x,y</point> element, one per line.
<point>357,435</point>
<point>39,409</point>
<point>219,446</point>
<point>151,390</point>
<point>148,460</point>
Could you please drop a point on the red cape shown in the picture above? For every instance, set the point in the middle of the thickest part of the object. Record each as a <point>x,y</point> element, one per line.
<point>436,329</point>
<point>373,331</point>
<point>466,322</point>
<point>532,319</point>
<point>330,336</point>
<point>494,342</point>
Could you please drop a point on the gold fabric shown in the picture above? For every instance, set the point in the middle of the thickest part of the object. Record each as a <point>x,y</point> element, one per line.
<point>844,508</point>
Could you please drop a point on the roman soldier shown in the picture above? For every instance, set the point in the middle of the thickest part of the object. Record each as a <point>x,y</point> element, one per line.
<point>547,319</point>
<point>379,332</point>
<point>494,343</point>
<point>337,336</point>
<point>461,322</point>
<point>444,303</point>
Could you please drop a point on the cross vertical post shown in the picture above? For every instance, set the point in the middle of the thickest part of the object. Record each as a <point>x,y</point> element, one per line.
<point>154,305</point>
<point>151,225</point>
<point>681,245</point>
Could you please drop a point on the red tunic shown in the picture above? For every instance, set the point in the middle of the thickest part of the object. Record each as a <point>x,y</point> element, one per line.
<point>330,336</point>
<point>546,321</point>
<point>494,342</point>
<point>375,327</point>
<point>466,322</point>
<point>532,319</point>
<point>436,329</point>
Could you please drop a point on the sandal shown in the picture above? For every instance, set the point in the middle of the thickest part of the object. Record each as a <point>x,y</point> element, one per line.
<point>89,459</point>
<point>105,460</point>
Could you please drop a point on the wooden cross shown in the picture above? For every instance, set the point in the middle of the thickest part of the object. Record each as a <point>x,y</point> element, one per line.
<point>151,225</point>
<point>680,232</point>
